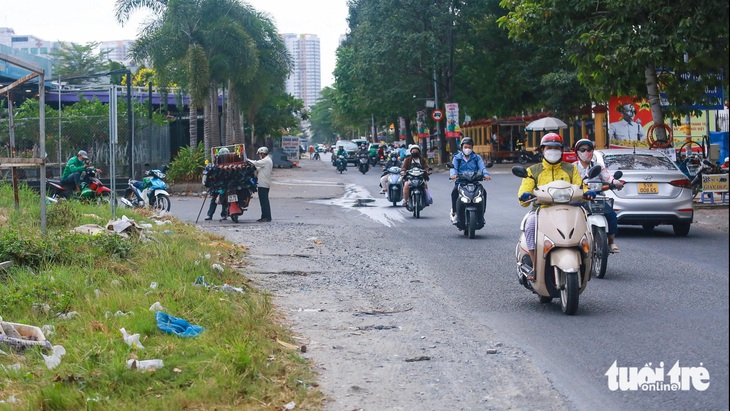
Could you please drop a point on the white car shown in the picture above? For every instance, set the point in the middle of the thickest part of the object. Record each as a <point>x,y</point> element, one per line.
<point>656,192</point>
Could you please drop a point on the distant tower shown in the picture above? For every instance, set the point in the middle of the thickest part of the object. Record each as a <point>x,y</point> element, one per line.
<point>304,81</point>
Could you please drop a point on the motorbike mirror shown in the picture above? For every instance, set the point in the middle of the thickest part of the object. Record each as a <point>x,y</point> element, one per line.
<point>489,164</point>
<point>707,162</point>
<point>165,168</point>
<point>450,165</point>
<point>147,165</point>
<point>594,171</point>
<point>519,171</point>
<point>618,174</point>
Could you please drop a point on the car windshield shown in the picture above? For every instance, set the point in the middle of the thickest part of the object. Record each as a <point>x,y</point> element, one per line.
<point>638,162</point>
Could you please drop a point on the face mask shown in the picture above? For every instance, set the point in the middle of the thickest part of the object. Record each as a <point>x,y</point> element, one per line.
<point>467,151</point>
<point>553,156</point>
<point>414,155</point>
<point>585,157</point>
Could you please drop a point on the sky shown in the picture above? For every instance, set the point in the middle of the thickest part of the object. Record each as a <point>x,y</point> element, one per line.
<point>83,21</point>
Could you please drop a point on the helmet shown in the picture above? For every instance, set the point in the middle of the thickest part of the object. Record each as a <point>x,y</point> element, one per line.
<point>467,140</point>
<point>551,140</point>
<point>583,142</point>
<point>412,146</point>
<point>223,151</point>
<point>83,154</point>
<point>727,159</point>
<point>262,150</point>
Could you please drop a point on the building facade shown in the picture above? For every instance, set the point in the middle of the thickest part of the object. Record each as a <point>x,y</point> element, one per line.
<point>304,81</point>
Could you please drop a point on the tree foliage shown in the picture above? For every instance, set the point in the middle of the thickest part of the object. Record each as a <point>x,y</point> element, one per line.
<point>74,62</point>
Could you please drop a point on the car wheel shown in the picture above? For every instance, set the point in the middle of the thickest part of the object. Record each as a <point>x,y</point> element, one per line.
<point>681,229</point>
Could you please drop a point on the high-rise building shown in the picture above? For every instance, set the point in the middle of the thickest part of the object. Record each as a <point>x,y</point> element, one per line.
<point>304,81</point>
<point>118,51</point>
<point>29,44</point>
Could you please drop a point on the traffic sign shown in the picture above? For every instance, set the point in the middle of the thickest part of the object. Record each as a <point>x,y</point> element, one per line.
<point>437,115</point>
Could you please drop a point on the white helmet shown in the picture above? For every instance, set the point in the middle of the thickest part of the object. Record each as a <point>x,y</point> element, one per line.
<point>223,151</point>
<point>412,146</point>
<point>727,159</point>
<point>262,150</point>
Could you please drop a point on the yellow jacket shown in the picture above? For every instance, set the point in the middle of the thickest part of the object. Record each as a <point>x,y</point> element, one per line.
<point>549,173</point>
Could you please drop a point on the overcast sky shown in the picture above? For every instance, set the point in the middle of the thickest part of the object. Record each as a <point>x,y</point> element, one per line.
<point>83,21</point>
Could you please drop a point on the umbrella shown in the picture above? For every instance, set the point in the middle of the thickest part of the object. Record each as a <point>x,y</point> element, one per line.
<point>546,123</point>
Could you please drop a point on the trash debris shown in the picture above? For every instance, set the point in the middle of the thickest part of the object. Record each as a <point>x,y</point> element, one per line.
<point>230,288</point>
<point>14,367</point>
<point>381,312</point>
<point>97,293</point>
<point>421,358</point>
<point>378,327</point>
<point>290,405</point>
<point>48,330</point>
<point>177,326</point>
<point>42,307</point>
<point>3,352</point>
<point>115,283</point>
<point>201,281</point>
<point>11,400</point>
<point>131,340</point>
<point>20,336</point>
<point>97,326</point>
<point>67,316</point>
<point>124,226</point>
<point>207,256</point>
<point>144,365</point>
<point>156,307</point>
<point>5,265</point>
<point>118,314</point>
<point>54,359</point>
<point>491,350</point>
<point>217,267</point>
<point>153,285</point>
<point>287,345</point>
<point>225,287</point>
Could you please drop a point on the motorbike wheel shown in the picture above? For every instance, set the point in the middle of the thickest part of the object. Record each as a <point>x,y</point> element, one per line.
<point>600,253</point>
<point>104,199</point>
<point>522,160</point>
<point>234,218</point>
<point>162,203</point>
<point>416,204</point>
<point>471,222</point>
<point>570,294</point>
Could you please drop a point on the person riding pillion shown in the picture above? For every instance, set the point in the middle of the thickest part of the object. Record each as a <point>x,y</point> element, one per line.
<point>465,161</point>
<point>550,169</point>
<point>584,150</point>
<point>415,159</point>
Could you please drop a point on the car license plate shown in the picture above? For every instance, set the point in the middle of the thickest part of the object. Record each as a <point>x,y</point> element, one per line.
<point>648,188</point>
<point>233,198</point>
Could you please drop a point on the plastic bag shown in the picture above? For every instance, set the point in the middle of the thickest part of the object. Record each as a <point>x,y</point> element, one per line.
<point>177,326</point>
<point>429,199</point>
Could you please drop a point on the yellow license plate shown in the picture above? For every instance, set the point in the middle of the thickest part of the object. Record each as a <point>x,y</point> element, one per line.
<point>648,188</point>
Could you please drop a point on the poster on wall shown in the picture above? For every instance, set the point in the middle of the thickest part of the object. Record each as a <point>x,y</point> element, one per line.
<point>402,128</point>
<point>629,121</point>
<point>453,130</point>
<point>421,124</point>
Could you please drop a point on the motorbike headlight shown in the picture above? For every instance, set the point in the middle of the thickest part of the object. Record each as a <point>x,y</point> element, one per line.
<point>478,199</point>
<point>561,195</point>
<point>465,199</point>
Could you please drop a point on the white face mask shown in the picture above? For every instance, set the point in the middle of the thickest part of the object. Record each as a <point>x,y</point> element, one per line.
<point>585,157</point>
<point>553,156</point>
<point>467,151</point>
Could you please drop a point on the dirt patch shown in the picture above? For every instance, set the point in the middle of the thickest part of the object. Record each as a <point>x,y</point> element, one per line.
<point>717,217</point>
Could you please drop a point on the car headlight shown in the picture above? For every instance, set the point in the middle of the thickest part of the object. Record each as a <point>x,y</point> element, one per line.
<point>561,195</point>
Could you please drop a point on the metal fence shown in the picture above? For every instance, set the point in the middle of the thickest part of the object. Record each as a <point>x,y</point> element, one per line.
<point>91,133</point>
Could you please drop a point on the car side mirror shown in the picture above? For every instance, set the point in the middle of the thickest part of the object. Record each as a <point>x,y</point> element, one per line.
<point>519,171</point>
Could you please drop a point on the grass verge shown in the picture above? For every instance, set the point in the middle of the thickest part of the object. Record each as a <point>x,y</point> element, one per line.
<point>235,364</point>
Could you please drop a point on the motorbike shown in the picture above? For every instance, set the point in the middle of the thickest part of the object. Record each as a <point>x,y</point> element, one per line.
<point>151,192</point>
<point>341,163</point>
<point>563,244</point>
<point>597,223</point>
<point>316,155</point>
<point>693,167</point>
<point>525,156</point>
<point>92,189</point>
<point>416,178</point>
<point>471,203</point>
<point>394,190</point>
<point>374,160</point>
<point>239,185</point>
<point>363,163</point>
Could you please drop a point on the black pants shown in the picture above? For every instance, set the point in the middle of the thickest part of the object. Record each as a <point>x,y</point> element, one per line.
<point>213,204</point>
<point>454,197</point>
<point>264,200</point>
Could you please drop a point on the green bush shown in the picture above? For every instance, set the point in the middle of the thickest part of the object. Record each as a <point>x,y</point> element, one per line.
<point>188,165</point>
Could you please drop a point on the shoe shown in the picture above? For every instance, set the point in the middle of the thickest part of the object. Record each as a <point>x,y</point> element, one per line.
<point>210,217</point>
<point>454,220</point>
<point>613,248</point>
<point>382,191</point>
<point>224,218</point>
<point>263,220</point>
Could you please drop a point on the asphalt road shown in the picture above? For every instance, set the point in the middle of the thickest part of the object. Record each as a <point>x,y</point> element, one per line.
<point>664,299</point>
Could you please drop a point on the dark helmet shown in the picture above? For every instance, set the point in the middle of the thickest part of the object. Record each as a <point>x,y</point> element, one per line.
<point>467,140</point>
<point>551,140</point>
<point>583,142</point>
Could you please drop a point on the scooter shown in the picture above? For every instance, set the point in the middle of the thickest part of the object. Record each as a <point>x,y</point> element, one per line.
<point>92,189</point>
<point>525,156</point>
<point>596,209</point>
<point>416,178</point>
<point>240,184</point>
<point>364,165</point>
<point>563,244</point>
<point>341,163</point>
<point>151,192</point>
<point>394,190</point>
<point>471,203</point>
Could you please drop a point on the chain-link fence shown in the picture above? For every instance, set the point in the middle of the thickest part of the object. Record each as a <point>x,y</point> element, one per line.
<point>91,133</point>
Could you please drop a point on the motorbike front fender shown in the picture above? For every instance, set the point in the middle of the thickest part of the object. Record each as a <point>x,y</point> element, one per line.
<point>597,220</point>
<point>568,260</point>
<point>159,192</point>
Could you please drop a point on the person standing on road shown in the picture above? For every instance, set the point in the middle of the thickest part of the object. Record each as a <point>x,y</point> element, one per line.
<point>310,149</point>
<point>264,168</point>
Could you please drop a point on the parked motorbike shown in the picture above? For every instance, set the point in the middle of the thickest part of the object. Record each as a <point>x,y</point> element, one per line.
<point>341,163</point>
<point>525,156</point>
<point>416,178</point>
<point>694,167</point>
<point>92,189</point>
<point>597,223</point>
<point>563,244</point>
<point>240,184</point>
<point>151,192</point>
<point>394,190</point>
<point>471,204</point>
<point>363,164</point>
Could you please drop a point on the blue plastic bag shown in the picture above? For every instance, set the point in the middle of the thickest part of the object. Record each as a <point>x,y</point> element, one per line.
<point>177,326</point>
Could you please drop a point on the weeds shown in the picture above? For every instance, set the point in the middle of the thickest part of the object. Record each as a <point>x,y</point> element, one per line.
<point>234,364</point>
